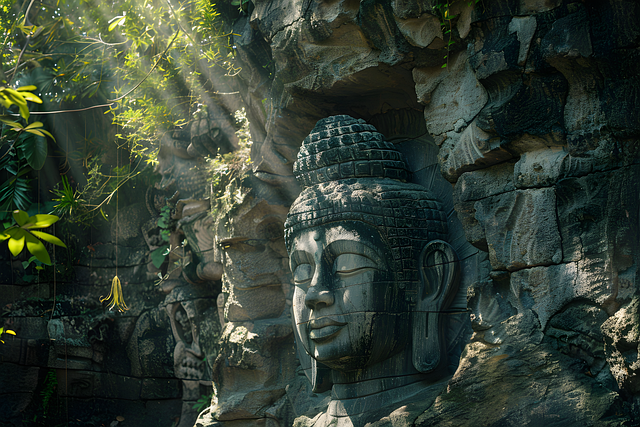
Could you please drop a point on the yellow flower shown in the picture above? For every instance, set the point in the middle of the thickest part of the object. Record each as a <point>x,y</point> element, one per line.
<point>115,297</point>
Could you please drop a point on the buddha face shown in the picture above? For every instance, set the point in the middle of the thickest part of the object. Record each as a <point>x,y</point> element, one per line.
<point>346,308</point>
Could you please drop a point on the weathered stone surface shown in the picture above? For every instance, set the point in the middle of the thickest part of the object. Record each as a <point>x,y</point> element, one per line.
<point>420,31</point>
<point>545,290</point>
<point>576,332</point>
<point>521,228</point>
<point>530,383</point>
<point>535,123</point>
<point>25,381</point>
<point>252,304</point>
<point>525,28</point>
<point>456,101</point>
<point>622,336</point>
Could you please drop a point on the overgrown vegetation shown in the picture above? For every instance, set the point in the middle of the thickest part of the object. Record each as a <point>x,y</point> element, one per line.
<point>150,63</point>
<point>228,171</point>
<point>443,11</point>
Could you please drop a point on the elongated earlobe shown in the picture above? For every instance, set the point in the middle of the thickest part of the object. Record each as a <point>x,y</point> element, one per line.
<point>318,374</point>
<point>321,379</point>
<point>439,277</point>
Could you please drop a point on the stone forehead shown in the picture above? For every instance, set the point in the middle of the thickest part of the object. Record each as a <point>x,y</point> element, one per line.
<point>392,207</point>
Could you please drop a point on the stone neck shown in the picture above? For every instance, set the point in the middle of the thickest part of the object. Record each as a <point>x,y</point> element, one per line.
<point>388,382</point>
<point>373,386</point>
<point>350,400</point>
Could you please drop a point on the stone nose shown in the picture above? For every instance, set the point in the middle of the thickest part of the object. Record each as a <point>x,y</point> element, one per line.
<point>318,294</point>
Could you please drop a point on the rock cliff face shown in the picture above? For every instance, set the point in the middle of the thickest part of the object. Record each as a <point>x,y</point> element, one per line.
<point>529,110</point>
<point>521,116</point>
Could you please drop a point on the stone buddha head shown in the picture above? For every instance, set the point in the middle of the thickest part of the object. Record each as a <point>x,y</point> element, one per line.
<point>372,272</point>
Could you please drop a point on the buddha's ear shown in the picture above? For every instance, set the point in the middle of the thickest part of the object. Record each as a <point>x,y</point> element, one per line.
<point>439,277</point>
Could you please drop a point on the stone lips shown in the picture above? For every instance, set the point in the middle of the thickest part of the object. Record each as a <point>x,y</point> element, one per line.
<point>341,147</point>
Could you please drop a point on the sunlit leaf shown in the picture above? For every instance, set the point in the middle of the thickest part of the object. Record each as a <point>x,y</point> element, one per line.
<point>21,217</point>
<point>34,125</point>
<point>4,235</point>
<point>114,22</point>
<point>28,96</point>
<point>47,133</point>
<point>37,249</point>
<point>35,132</point>
<point>26,88</point>
<point>14,125</point>
<point>16,240</point>
<point>41,221</point>
<point>49,238</point>
<point>158,256</point>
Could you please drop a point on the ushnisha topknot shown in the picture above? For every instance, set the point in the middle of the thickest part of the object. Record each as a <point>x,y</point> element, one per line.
<point>350,173</point>
<point>341,147</point>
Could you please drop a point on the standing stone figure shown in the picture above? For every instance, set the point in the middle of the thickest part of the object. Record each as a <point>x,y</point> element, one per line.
<point>373,277</point>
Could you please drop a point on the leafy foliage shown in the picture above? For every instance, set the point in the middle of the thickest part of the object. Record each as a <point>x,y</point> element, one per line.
<point>23,233</point>
<point>152,62</point>
<point>161,51</point>
<point>48,389</point>
<point>227,171</point>
<point>442,10</point>
<point>203,402</point>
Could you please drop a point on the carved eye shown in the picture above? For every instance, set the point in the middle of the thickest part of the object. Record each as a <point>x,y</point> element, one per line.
<point>302,273</point>
<point>347,264</point>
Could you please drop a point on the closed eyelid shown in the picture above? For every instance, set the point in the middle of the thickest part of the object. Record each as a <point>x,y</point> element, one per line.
<point>351,263</point>
<point>340,247</point>
<point>303,273</point>
<point>300,257</point>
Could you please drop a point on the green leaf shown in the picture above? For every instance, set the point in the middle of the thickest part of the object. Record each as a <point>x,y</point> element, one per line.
<point>14,125</point>
<point>21,217</point>
<point>17,240</point>
<point>35,132</point>
<point>37,249</point>
<point>31,97</point>
<point>41,221</point>
<point>47,133</point>
<point>17,98</point>
<point>34,125</point>
<point>5,233</point>
<point>114,22</point>
<point>157,257</point>
<point>26,88</point>
<point>49,238</point>
<point>35,150</point>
